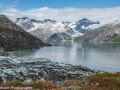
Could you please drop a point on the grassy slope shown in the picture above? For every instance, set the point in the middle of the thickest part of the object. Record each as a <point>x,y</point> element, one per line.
<point>105,81</point>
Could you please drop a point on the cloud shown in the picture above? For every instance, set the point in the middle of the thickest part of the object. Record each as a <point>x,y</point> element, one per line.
<point>11,10</point>
<point>104,15</point>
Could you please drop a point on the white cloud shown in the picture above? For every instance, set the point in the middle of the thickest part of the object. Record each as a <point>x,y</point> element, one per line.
<point>11,10</point>
<point>104,15</point>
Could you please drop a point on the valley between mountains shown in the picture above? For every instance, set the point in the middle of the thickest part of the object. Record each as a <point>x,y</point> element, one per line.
<point>32,34</point>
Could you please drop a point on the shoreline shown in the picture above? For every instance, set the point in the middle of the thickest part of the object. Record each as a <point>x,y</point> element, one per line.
<point>33,69</point>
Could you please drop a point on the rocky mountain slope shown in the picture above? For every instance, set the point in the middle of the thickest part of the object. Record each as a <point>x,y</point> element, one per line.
<point>24,23</point>
<point>106,33</point>
<point>13,37</point>
<point>6,22</point>
<point>48,29</point>
<point>85,25</point>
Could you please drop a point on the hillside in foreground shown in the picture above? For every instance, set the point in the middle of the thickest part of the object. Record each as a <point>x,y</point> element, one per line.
<point>13,37</point>
<point>105,81</point>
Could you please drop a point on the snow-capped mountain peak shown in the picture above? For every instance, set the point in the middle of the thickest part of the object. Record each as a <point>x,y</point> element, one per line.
<point>49,27</point>
<point>23,18</point>
<point>84,25</point>
<point>25,23</point>
<point>35,21</point>
<point>48,20</point>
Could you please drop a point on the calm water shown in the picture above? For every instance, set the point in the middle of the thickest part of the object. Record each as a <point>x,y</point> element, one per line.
<point>102,56</point>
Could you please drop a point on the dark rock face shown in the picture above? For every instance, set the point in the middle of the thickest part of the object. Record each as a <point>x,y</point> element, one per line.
<point>66,22</point>
<point>84,22</point>
<point>1,80</point>
<point>35,21</point>
<point>26,23</point>
<point>6,22</point>
<point>48,20</point>
<point>27,70</point>
<point>60,37</point>
<point>13,37</point>
<point>14,40</point>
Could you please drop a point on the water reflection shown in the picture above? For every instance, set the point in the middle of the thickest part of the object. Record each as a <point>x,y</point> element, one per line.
<point>103,46</point>
<point>102,56</point>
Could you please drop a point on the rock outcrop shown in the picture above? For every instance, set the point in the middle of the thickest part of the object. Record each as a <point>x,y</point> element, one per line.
<point>13,37</point>
<point>6,22</point>
<point>27,70</point>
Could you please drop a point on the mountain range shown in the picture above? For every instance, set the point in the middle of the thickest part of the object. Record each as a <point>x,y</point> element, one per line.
<point>13,37</point>
<point>52,30</point>
<point>106,33</point>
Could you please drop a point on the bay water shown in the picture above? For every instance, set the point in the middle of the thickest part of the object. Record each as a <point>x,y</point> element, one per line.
<point>100,56</point>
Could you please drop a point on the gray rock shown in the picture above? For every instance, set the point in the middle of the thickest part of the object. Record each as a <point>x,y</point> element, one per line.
<point>86,80</point>
<point>97,84</point>
<point>1,80</point>
<point>73,87</point>
<point>59,84</point>
<point>33,69</point>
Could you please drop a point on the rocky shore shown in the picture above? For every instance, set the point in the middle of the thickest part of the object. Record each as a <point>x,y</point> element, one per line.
<point>28,69</point>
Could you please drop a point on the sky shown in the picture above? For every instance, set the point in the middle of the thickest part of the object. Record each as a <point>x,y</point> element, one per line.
<point>30,4</point>
<point>62,10</point>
